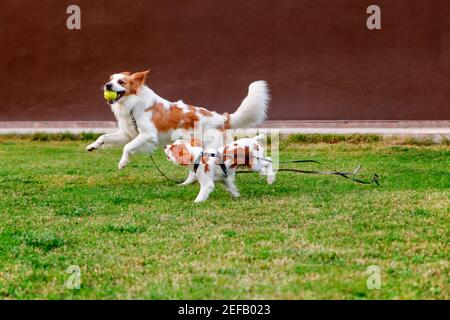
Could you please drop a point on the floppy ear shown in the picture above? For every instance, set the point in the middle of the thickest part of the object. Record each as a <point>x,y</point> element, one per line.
<point>140,77</point>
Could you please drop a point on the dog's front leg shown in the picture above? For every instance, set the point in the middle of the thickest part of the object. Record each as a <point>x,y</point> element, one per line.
<point>267,170</point>
<point>115,138</point>
<point>143,139</point>
<point>206,187</point>
<point>190,179</point>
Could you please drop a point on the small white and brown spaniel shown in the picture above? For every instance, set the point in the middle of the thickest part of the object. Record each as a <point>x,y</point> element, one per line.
<point>146,120</point>
<point>209,165</point>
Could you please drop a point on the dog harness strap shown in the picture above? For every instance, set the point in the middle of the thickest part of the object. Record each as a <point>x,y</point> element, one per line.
<point>197,162</point>
<point>222,164</point>
<point>196,166</point>
<point>224,169</point>
<point>214,155</point>
<point>133,119</point>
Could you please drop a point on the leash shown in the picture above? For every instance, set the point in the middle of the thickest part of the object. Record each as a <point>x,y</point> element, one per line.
<point>133,119</point>
<point>346,175</point>
<point>163,174</point>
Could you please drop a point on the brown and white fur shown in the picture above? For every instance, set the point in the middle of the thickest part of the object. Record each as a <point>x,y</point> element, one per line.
<point>233,155</point>
<point>157,119</point>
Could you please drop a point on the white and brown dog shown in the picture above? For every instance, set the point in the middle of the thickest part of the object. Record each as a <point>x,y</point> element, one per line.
<point>146,120</point>
<point>209,165</point>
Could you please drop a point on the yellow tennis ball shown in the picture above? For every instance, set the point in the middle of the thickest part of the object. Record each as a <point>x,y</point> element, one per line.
<point>109,95</point>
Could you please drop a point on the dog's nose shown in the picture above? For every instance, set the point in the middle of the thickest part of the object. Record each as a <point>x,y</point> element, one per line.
<point>109,86</point>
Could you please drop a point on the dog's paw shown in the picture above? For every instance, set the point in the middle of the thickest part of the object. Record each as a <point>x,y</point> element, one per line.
<point>91,147</point>
<point>199,200</point>
<point>270,179</point>
<point>122,164</point>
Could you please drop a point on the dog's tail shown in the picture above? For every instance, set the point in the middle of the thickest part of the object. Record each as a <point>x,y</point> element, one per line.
<point>253,109</point>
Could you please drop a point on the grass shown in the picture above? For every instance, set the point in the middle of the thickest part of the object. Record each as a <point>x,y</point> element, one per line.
<point>135,235</point>
<point>333,138</point>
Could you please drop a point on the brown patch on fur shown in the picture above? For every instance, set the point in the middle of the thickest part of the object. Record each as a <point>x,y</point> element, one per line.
<point>201,111</point>
<point>240,156</point>
<point>165,119</point>
<point>226,122</point>
<point>195,142</point>
<point>181,154</point>
<point>225,153</point>
<point>172,118</point>
<point>189,120</point>
<point>205,163</point>
<point>205,112</point>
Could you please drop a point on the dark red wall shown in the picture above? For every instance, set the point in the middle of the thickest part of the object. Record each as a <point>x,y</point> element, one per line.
<point>319,58</point>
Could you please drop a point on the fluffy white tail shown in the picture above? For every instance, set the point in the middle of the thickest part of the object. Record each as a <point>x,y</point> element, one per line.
<point>253,109</point>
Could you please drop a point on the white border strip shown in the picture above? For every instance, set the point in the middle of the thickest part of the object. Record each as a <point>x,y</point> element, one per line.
<point>380,131</point>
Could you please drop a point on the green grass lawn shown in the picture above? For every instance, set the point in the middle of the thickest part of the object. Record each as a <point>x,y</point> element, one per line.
<point>135,235</point>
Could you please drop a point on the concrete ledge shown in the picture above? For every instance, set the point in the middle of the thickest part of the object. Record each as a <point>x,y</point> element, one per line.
<point>387,128</point>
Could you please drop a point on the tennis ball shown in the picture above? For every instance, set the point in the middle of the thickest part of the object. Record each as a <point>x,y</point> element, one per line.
<point>110,95</point>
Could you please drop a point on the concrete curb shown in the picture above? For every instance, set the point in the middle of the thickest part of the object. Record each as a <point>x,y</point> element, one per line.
<point>385,128</point>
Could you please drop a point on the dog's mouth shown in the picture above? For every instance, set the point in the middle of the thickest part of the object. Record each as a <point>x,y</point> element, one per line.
<point>119,95</point>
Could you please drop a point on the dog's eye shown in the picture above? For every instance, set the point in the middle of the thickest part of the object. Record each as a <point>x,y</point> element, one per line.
<point>120,82</point>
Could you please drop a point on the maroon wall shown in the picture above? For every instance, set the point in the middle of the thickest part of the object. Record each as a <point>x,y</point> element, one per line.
<point>319,58</point>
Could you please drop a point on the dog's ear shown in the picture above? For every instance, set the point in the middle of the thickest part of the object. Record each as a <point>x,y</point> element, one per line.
<point>137,80</point>
<point>127,73</point>
<point>140,77</point>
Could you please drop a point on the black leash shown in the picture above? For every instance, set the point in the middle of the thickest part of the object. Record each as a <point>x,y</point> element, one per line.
<point>163,174</point>
<point>133,119</point>
<point>346,175</point>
